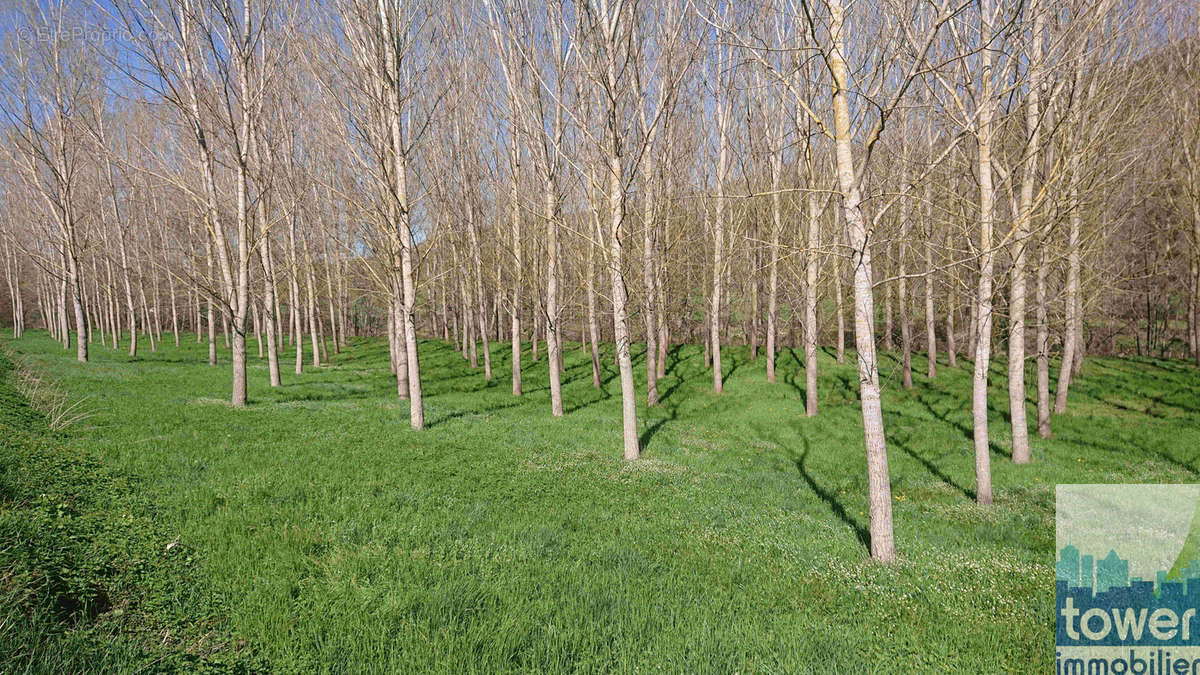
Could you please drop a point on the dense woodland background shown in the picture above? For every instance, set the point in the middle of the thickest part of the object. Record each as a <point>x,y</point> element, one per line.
<point>970,180</point>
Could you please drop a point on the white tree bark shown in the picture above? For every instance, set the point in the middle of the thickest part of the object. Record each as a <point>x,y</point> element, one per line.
<point>776,167</point>
<point>879,486</point>
<point>1016,305</point>
<point>392,35</point>
<point>902,282</point>
<point>613,31</point>
<point>812,246</point>
<point>930,313</point>
<point>718,268</point>
<point>983,299</point>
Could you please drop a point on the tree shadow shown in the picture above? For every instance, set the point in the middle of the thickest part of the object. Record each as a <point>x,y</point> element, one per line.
<point>967,432</point>
<point>472,412</point>
<point>1128,408</point>
<point>202,358</point>
<point>666,394</point>
<point>1124,450</point>
<point>576,405</point>
<point>828,497</point>
<point>1188,390</point>
<point>903,445</point>
<point>656,426</point>
<point>850,385</point>
<point>734,365</point>
<point>787,357</point>
<point>570,374</point>
<point>1154,401</point>
<point>792,375</point>
<point>675,361</point>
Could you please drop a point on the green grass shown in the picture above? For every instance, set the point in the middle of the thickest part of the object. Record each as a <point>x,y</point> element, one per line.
<point>85,579</point>
<point>323,535</point>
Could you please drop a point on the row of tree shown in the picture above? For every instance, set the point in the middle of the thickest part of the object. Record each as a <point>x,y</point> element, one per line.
<point>944,177</point>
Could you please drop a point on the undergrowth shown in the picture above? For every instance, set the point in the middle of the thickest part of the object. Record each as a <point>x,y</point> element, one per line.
<point>89,582</point>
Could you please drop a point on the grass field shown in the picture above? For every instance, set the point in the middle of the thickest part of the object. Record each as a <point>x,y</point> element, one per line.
<point>315,532</point>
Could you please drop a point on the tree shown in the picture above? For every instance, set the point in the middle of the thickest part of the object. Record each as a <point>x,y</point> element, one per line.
<point>48,88</point>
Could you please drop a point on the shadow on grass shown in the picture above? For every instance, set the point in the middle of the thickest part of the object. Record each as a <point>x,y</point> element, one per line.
<point>1064,437</point>
<point>653,428</point>
<point>792,375</point>
<point>828,497</point>
<point>457,414</point>
<point>944,417</point>
<point>902,441</point>
<point>577,404</point>
<point>666,393</point>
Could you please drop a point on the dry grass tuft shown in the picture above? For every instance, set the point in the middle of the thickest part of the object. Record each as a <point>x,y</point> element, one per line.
<point>48,398</point>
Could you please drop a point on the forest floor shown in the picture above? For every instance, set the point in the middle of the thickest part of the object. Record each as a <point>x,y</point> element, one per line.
<point>314,531</point>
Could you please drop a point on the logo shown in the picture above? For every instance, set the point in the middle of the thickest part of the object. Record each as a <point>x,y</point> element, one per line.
<point>1127,580</point>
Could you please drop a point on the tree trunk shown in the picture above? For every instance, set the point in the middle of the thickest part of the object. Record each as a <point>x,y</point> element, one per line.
<point>479,300</point>
<point>972,322</point>
<point>951,308</point>
<point>776,166</point>
<point>593,323</point>
<point>983,301</point>
<point>294,299</point>
<point>902,282</point>
<point>76,287</point>
<point>839,301</point>
<point>1070,331</point>
<point>1191,295</point>
<point>393,348</point>
<point>648,275</point>
<point>810,292</point>
<point>1043,342</point>
<point>879,483</point>
<point>930,313</point>
<point>97,315</point>
<point>334,328</point>
<point>1196,279</point>
<point>12,290</point>
<point>553,347</point>
<point>256,327</point>
<point>212,317</point>
<point>310,287</point>
<point>146,317</point>
<point>889,328</point>
<point>397,327</point>
<point>719,244</point>
<point>174,306</point>
<point>661,299</point>
<point>157,306</point>
<point>133,336</point>
<point>64,327</point>
<point>269,316</point>
<point>518,269</point>
<point>1016,305</point>
<point>616,257</point>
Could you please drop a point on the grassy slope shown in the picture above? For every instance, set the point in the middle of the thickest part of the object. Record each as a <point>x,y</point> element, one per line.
<point>501,539</point>
<point>86,584</point>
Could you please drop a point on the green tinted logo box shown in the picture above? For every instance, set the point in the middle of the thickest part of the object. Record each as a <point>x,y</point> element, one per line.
<point>1127,589</point>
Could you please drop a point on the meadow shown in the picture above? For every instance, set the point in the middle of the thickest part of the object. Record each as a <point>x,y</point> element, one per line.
<point>314,531</point>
